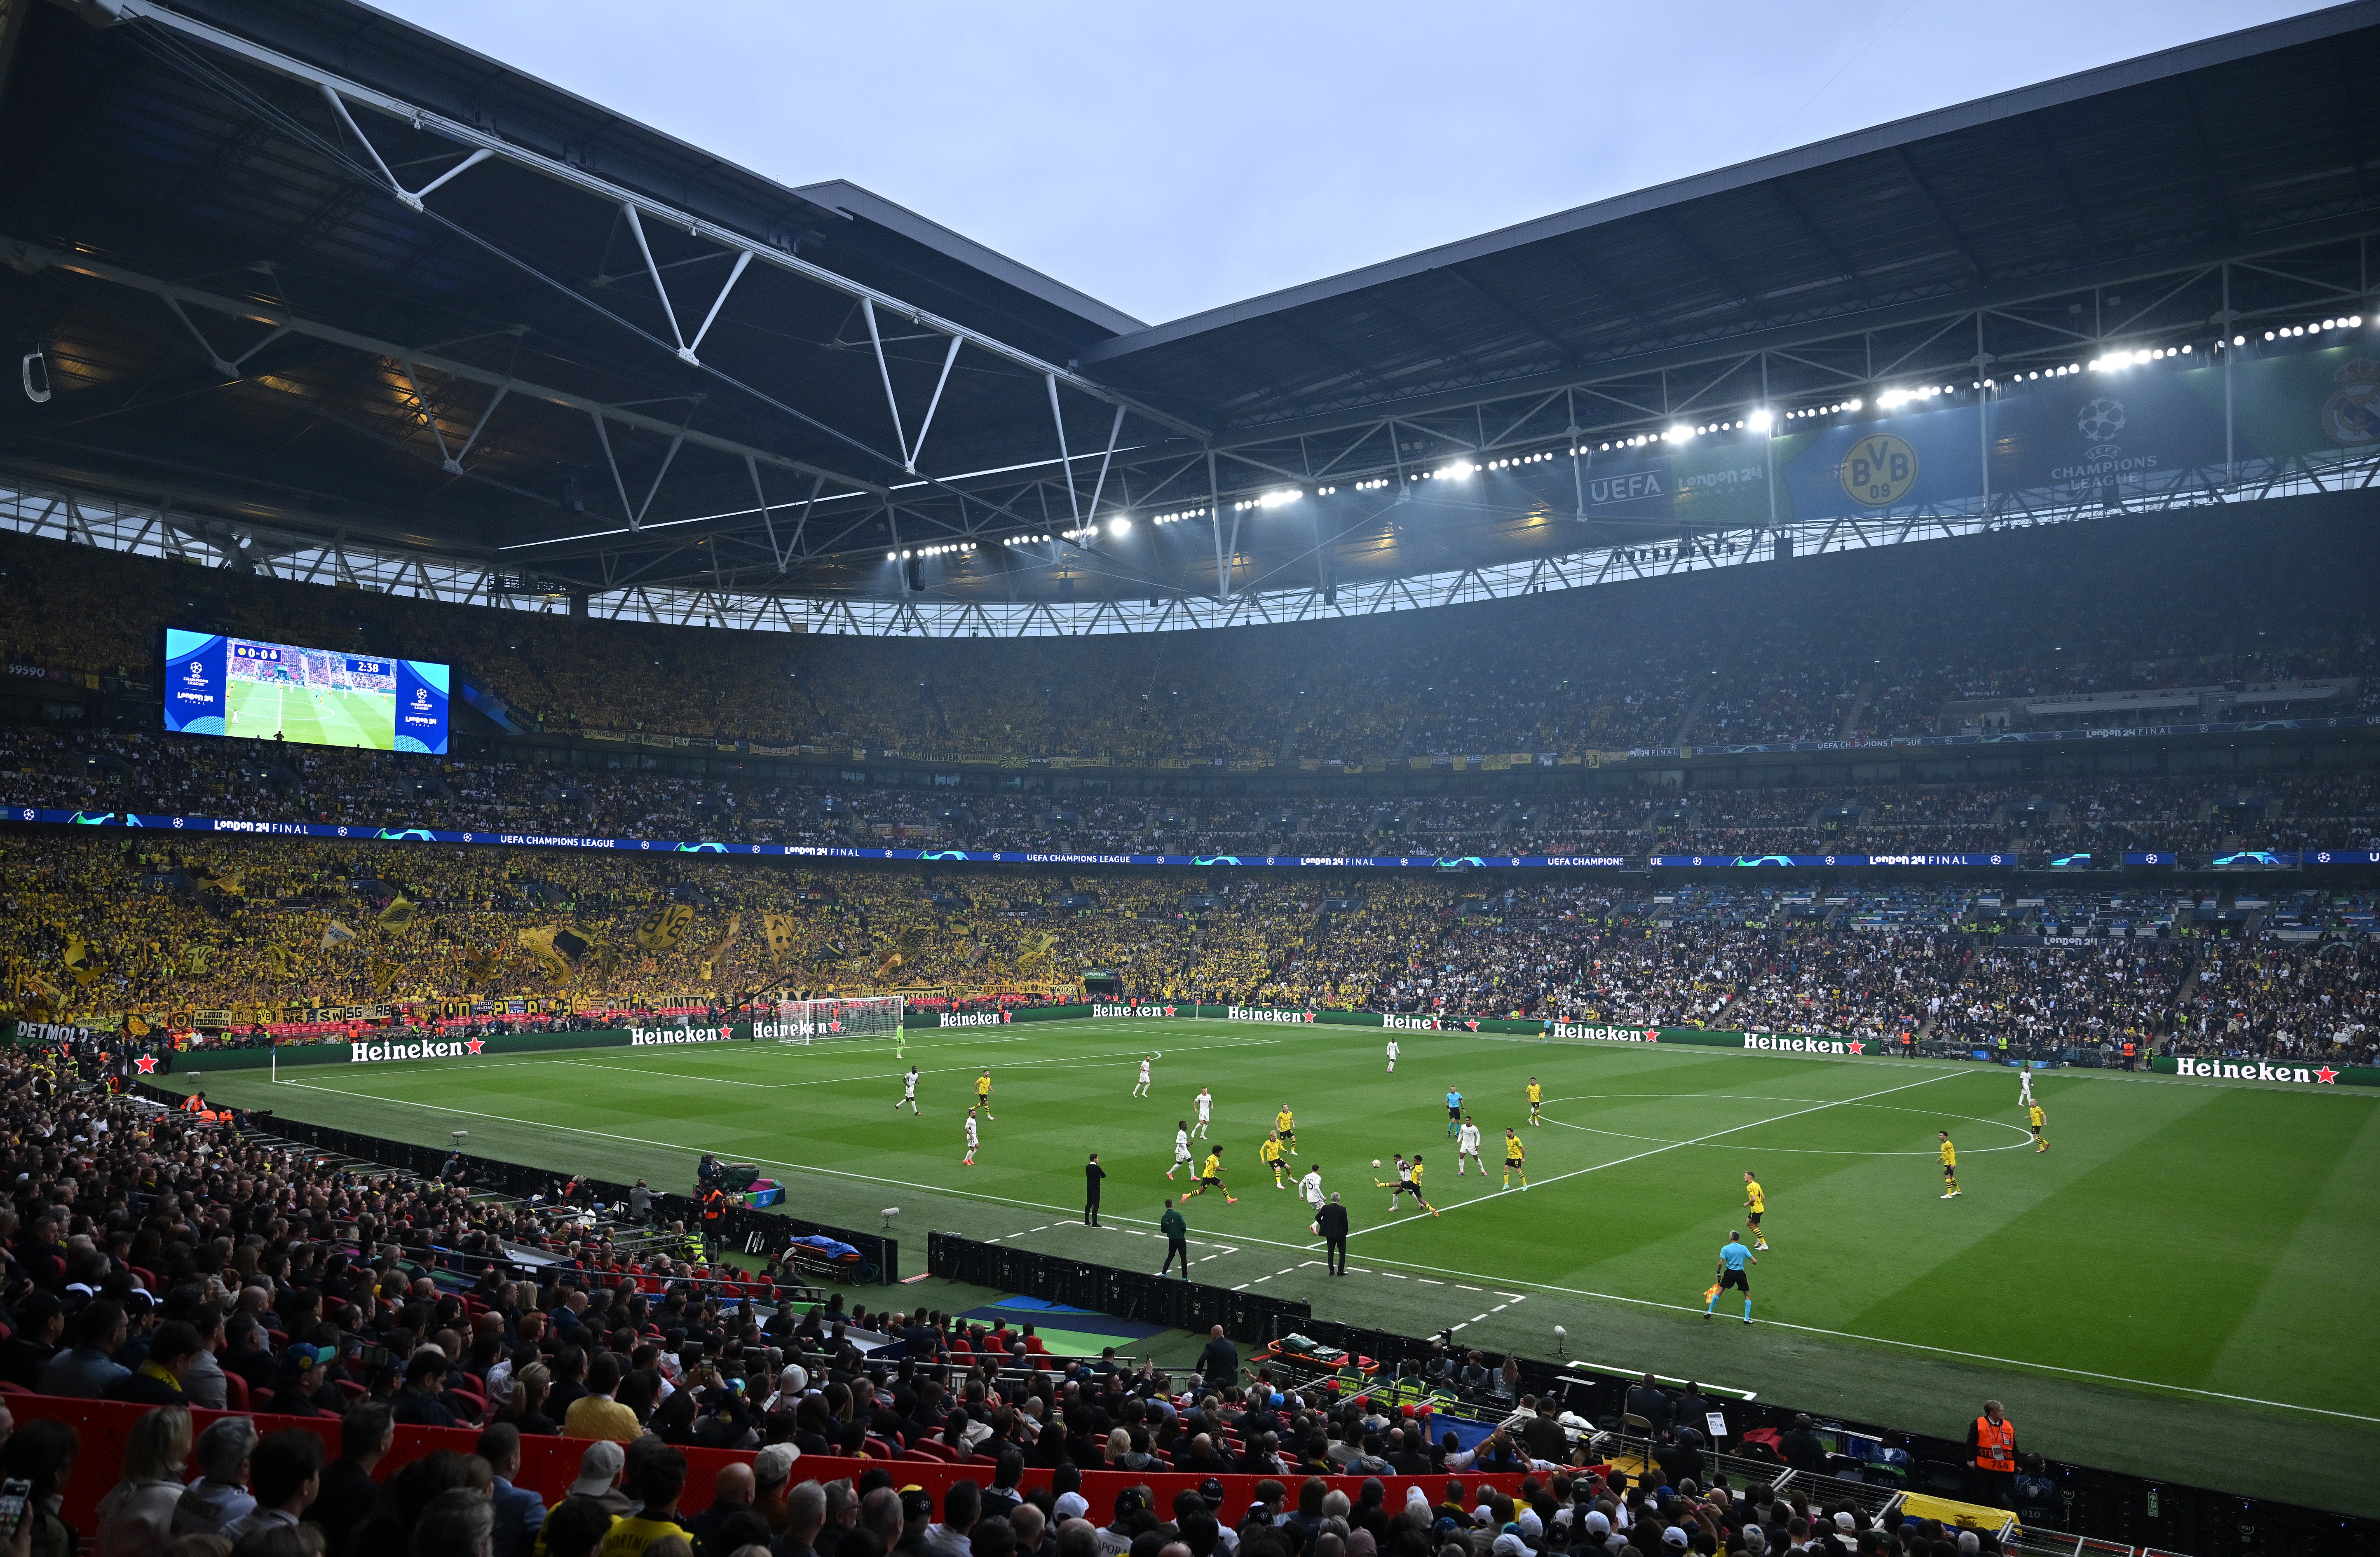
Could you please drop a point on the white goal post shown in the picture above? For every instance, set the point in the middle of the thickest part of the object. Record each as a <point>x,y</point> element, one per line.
<point>867,1016</point>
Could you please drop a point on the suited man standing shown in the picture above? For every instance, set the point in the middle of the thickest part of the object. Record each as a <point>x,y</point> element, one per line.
<point>1332,1223</point>
<point>1092,1174</point>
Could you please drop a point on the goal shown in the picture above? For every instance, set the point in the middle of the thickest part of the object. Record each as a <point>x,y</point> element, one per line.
<point>799,1021</point>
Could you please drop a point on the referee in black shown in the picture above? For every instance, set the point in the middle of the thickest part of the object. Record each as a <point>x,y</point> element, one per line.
<point>1332,1223</point>
<point>1092,1174</point>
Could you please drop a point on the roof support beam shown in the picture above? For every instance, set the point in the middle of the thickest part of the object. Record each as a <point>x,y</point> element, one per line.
<point>175,295</point>
<point>346,92</point>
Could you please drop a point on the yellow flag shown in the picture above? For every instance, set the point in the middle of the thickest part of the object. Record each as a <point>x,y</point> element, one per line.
<point>539,945</point>
<point>136,1026</point>
<point>719,948</point>
<point>779,928</point>
<point>194,958</point>
<point>83,962</point>
<point>398,916</point>
<point>479,967</point>
<point>285,963</point>
<point>383,975</point>
<point>664,927</point>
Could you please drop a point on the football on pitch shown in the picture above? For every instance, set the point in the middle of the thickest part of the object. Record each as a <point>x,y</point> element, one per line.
<point>1375,1162</point>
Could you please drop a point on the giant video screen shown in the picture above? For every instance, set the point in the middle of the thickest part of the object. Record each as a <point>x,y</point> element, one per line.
<point>221,685</point>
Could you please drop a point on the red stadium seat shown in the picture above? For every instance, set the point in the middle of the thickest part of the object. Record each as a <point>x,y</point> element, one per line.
<point>235,1393</point>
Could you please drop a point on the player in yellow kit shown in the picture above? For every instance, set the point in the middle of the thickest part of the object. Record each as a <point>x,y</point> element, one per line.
<point>1513,1157</point>
<point>1211,1177</point>
<point>2037,1118</point>
<point>1269,1153</point>
<point>1950,1166</point>
<point>1284,1125</point>
<point>983,1091</point>
<point>1536,1100</point>
<point>1755,1204</point>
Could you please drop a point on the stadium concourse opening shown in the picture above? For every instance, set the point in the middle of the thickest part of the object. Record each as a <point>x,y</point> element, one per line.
<point>1658,878</point>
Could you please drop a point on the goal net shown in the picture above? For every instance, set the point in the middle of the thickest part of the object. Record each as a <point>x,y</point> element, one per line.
<point>872,1016</point>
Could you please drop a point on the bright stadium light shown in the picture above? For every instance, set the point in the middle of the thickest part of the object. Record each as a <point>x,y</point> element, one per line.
<point>1679,434</point>
<point>1761,420</point>
<point>1120,526</point>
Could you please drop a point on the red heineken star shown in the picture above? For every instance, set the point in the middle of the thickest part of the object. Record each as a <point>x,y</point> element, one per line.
<point>476,1044</point>
<point>146,1064</point>
<point>1858,1047</point>
<point>835,1027</point>
<point>2325,1076</point>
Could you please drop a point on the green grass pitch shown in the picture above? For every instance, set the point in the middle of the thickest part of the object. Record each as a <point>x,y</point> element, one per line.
<point>315,716</point>
<point>2184,1255</point>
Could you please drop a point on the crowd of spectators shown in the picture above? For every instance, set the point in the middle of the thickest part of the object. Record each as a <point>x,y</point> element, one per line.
<point>155,1259</point>
<point>250,781</point>
<point>1765,653</point>
<point>286,934</point>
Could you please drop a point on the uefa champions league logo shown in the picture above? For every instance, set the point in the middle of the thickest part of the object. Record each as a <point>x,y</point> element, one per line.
<point>2100,421</point>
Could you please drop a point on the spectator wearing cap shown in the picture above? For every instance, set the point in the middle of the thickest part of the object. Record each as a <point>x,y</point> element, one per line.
<point>41,1320</point>
<point>160,1381</point>
<point>220,1494</point>
<point>772,1474</point>
<point>518,1510</point>
<point>597,1486</point>
<point>918,1518</point>
<point>86,1369</point>
<point>1131,1518</point>
<point>284,1472</point>
<point>302,1378</point>
<point>597,1414</point>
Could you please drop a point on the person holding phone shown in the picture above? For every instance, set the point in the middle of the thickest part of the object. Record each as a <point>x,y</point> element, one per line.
<point>35,1466</point>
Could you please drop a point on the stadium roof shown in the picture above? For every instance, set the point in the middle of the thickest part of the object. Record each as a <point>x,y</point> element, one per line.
<point>309,276</point>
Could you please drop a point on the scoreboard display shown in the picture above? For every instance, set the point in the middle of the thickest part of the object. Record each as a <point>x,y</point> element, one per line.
<point>216,684</point>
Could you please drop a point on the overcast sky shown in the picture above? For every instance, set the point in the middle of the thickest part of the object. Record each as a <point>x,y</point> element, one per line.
<point>1169,158</point>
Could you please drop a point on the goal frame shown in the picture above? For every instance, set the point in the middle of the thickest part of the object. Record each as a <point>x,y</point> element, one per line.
<point>802,1022</point>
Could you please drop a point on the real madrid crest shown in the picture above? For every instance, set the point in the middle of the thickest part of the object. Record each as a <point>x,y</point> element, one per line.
<point>1879,469</point>
<point>2351,415</point>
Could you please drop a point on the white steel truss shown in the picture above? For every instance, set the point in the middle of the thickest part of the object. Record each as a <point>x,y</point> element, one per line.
<point>157,530</point>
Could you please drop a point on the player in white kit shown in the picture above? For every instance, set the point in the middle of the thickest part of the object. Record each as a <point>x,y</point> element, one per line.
<point>909,1091</point>
<point>1392,1056</point>
<point>971,1139</point>
<point>1466,1145</point>
<point>1140,1088</point>
<point>1206,1106</point>
<point>1182,1148</point>
<point>1311,1187</point>
<point>2024,1089</point>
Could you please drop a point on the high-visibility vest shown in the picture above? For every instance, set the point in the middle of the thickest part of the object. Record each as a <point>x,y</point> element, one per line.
<point>1995,1444</point>
<point>713,1204</point>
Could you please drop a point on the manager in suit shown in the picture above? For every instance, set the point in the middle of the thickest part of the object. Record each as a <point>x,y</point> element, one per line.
<point>1092,1174</point>
<point>1332,1223</point>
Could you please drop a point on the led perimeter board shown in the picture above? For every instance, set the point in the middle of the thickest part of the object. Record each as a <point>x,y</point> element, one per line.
<point>221,685</point>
